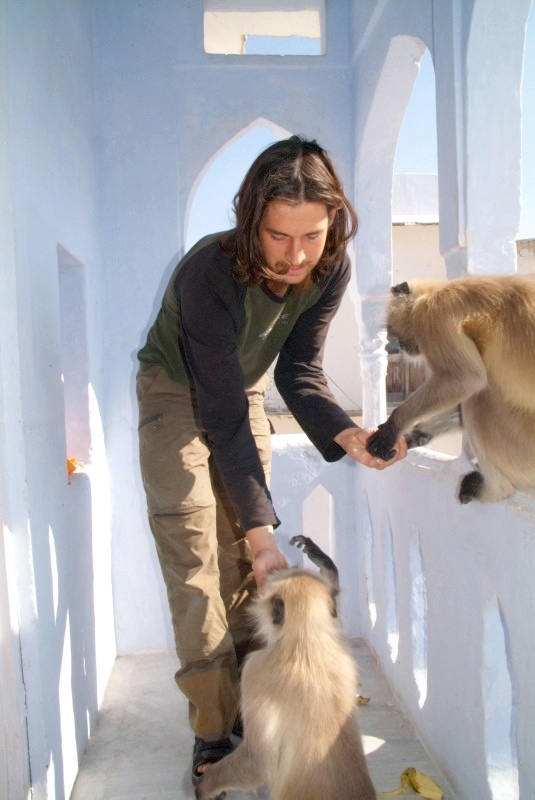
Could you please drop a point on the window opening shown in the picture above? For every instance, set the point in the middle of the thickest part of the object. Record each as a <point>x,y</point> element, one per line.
<point>74,355</point>
<point>281,46</point>
<point>277,28</point>
<point>526,233</point>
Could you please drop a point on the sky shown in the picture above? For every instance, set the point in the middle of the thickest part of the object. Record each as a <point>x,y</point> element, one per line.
<point>416,151</point>
<point>527,224</point>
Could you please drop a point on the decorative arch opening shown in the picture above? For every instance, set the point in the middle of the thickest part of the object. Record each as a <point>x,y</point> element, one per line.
<point>416,228</point>
<point>210,203</point>
<point>374,163</point>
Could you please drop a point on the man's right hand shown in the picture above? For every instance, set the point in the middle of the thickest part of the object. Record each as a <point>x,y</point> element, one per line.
<point>266,555</point>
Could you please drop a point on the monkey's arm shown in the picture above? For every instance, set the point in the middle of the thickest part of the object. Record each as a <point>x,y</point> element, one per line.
<point>457,372</point>
<point>327,566</point>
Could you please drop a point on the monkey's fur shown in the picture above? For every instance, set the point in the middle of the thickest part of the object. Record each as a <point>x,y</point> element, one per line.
<point>298,698</point>
<point>477,335</point>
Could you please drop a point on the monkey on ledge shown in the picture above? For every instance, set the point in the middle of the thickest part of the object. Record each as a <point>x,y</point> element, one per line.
<point>477,337</point>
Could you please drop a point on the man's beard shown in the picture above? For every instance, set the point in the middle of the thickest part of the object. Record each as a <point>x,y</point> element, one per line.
<point>282,268</point>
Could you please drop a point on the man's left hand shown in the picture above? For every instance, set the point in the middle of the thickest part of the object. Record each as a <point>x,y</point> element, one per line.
<point>353,441</point>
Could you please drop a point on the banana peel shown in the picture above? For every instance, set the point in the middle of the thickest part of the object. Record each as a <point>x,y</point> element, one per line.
<point>422,784</point>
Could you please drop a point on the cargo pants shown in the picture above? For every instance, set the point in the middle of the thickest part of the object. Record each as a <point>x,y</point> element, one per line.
<point>204,557</point>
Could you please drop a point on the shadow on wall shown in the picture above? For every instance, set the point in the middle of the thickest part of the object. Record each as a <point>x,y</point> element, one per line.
<point>65,602</point>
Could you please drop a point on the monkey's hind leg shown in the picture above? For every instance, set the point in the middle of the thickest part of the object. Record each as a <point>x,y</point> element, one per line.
<point>503,443</point>
<point>328,568</point>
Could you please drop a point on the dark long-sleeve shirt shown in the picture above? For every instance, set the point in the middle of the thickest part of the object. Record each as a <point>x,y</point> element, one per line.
<point>220,336</point>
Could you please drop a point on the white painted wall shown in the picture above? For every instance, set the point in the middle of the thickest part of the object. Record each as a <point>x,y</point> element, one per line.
<point>452,587</point>
<point>416,253</point>
<point>442,592</point>
<point>112,110</point>
<point>56,535</point>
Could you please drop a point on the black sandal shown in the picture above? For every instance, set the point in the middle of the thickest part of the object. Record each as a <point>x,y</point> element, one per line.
<point>208,753</point>
<point>237,730</point>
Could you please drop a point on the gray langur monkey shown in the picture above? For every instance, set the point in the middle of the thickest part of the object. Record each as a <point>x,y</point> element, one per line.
<point>477,336</point>
<point>298,697</point>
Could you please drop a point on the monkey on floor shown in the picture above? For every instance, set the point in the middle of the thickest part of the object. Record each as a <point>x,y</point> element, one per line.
<point>301,734</point>
<point>477,336</point>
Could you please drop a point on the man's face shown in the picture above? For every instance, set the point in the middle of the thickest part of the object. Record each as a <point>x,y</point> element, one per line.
<point>293,239</point>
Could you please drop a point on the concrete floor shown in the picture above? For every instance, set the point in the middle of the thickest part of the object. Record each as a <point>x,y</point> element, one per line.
<point>141,749</point>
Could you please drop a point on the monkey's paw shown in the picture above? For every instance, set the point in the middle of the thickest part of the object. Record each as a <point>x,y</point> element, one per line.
<point>471,486</point>
<point>315,554</point>
<point>381,443</point>
<point>309,547</point>
<point>299,541</point>
<point>417,438</point>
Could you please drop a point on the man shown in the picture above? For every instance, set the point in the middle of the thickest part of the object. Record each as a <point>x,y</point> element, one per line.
<point>265,291</point>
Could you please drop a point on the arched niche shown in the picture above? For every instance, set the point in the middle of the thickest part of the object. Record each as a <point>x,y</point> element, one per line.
<point>209,206</point>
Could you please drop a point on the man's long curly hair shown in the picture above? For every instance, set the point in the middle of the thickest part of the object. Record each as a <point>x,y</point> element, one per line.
<point>292,171</point>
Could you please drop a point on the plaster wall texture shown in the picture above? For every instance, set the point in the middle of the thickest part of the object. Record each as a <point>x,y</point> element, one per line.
<point>429,584</point>
<point>416,254</point>
<point>526,256</point>
<point>113,111</point>
<point>56,536</point>
<point>449,606</point>
<point>414,198</point>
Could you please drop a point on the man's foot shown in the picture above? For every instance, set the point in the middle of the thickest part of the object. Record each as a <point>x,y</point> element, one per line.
<point>208,753</point>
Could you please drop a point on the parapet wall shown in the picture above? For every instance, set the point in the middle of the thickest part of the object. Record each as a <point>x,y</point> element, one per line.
<point>442,593</point>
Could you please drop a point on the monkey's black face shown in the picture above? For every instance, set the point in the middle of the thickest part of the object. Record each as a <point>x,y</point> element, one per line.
<point>277,610</point>
<point>292,599</point>
<point>411,348</point>
<point>397,343</point>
